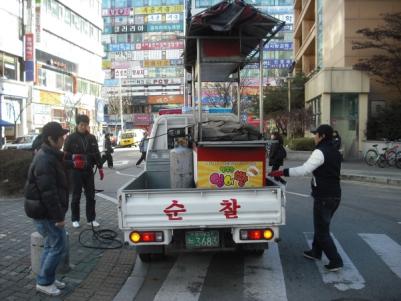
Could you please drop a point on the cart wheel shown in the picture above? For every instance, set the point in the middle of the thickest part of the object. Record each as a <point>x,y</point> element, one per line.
<point>145,257</point>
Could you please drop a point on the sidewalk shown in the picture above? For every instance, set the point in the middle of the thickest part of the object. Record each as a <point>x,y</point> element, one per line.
<point>95,274</point>
<point>360,171</point>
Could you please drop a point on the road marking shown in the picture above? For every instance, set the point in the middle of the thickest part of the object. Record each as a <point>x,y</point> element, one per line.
<point>185,280</point>
<point>347,278</point>
<point>387,249</point>
<point>120,163</point>
<point>134,282</point>
<point>108,198</point>
<point>299,194</point>
<point>125,174</point>
<point>264,278</point>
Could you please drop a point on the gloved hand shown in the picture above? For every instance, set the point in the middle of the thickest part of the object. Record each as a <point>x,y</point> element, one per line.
<point>79,164</point>
<point>101,174</point>
<point>276,173</point>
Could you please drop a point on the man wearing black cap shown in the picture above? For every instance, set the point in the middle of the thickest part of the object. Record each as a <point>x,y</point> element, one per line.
<point>46,202</point>
<point>82,148</point>
<point>325,165</point>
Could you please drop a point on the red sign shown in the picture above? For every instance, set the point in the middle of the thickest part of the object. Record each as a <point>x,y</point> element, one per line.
<point>230,208</point>
<point>29,47</point>
<point>165,99</point>
<point>174,209</point>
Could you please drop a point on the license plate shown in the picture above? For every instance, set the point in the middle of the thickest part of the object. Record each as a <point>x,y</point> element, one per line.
<point>202,239</point>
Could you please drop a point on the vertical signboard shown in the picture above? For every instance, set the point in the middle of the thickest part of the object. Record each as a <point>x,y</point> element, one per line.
<point>37,21</point>
<point>29,58</point>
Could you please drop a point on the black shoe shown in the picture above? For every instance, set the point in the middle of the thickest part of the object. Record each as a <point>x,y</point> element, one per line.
<point>333,267</point>
<point>312,255</point>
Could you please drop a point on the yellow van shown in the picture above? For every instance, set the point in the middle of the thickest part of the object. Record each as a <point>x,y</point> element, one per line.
<point>127,139</point>
<point>130,137</point>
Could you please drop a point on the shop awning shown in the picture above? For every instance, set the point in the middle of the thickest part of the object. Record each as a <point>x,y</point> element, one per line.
<point>5,123</point>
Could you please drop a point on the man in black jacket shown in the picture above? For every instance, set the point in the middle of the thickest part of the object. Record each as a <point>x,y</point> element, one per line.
<point>325,165</point>
<point>81,147</point>
<point>46,201</point>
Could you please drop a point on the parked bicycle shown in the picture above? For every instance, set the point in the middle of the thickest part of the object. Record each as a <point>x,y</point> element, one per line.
<point>389,155</point>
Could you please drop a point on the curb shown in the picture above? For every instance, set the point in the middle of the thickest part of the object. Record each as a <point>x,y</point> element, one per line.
<point>372,179</point>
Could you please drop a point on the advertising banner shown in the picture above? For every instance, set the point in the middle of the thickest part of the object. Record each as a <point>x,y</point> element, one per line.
<point>163,99</point>
<point>159,45</point>
<point>147,10</point>
<point>156,63</point>
<point>130,73</point>
<point>49,98</point>
<point>29,58</point>
<point>152,81</point>
<point>212,174</point>
<point>165,27</point>
<point>129,28</point>
<point>142,119</point>
<point>41,114</point>
<point>284,46</point>
<point>117,11</point>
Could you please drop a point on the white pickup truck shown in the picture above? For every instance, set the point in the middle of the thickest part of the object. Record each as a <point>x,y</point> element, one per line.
<point>156,218</point>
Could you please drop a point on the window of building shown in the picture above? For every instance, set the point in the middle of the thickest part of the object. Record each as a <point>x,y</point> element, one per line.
<point>8,66</point>
<point>106,4</point>
<point>58,115</point>
<point>120,3</point>
<point>42,77</point>
<point>55,7</point>
<point>155,2</point>
<point>59,81</point>
<point>67,17</point>
<point>138,3</point>
<point>315,106</point>
<point>285,2</point>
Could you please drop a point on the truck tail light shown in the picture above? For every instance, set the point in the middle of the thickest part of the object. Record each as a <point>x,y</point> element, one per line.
<point>256,234</point>
<point>146,236</point>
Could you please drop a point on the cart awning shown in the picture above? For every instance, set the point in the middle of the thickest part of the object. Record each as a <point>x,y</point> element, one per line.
<point>241,25</point>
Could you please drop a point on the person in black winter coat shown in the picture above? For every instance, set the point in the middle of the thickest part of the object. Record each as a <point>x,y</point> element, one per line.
<point>108,150</point>
<point>81,147</point>
<point>277,154</point>
<point>46,201</point>
<point>336,140</point>
<point>325,165</point>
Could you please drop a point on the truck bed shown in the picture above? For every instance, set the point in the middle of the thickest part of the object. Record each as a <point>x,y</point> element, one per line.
<point>148,203</point>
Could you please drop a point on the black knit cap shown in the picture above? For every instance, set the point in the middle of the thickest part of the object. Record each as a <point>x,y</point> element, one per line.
<point>82,118</point>
<point>325,129</point>
<point>53,129</point>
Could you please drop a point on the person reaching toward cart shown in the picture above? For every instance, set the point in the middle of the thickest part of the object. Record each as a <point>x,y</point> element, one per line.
<point>325,166</point>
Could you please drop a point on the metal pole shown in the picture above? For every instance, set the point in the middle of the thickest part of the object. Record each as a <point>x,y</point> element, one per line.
<point>193,89</point>
<point>261,86</point>
<point>121,109</point>
<point>239,96</point>
<point>199,82</point>
<point>289,105</point>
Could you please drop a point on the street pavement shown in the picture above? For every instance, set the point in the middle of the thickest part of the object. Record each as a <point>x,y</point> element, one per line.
<point>98,274</point>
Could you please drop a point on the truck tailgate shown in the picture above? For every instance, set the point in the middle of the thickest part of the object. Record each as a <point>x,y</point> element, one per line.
<point>194,208</point>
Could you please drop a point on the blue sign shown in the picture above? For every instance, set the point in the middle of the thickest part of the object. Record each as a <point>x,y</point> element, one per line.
<point>165,27</point>
<point>277,63</point>
<point>121,47</point>
<point>111,82</point>
<point>29,71</point>
<point>285,46</point>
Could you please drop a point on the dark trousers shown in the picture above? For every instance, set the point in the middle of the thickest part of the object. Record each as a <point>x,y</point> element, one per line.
<point>109,158</point>
<point>83,179</point>
<point>323,211</point>
<point>143,157</point>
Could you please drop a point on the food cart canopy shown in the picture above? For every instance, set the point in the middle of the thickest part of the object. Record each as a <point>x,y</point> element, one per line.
<point>230,33</point>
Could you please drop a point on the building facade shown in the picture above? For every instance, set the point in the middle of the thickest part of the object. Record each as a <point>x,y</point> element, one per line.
<point>13,90</point>
<point>337,94</point>
<point>143,44</point>
<point>51,58</point>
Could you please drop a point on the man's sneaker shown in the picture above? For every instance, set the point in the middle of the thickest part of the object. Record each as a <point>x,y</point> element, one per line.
<point>75,224</point>
<point>94,224</point>
<point>333,267</point>
<point>312,255</point>
<point>50,290</point>
<point>59,284</point>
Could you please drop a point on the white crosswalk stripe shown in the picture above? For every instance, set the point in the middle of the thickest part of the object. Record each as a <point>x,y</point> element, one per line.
<point>387,249</point>
<point>185,280</point>
<point>264,278</point>
<point>348,278</point>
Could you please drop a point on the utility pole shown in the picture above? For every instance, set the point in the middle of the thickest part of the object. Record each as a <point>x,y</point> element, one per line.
<point>121,108</point>
<point>289,78</point>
